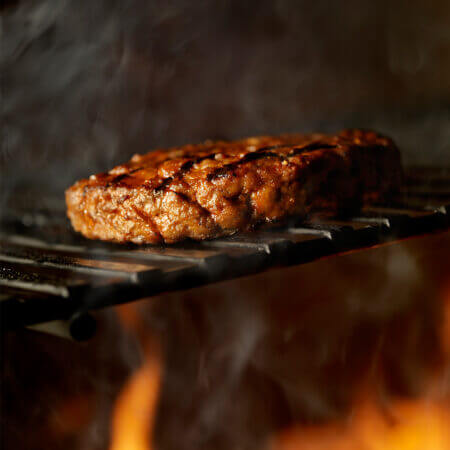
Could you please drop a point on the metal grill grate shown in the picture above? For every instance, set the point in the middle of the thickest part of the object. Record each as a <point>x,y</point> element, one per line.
<point>47,272</point>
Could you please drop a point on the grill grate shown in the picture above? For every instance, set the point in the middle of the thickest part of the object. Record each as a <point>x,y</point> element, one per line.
<point>47,272</point>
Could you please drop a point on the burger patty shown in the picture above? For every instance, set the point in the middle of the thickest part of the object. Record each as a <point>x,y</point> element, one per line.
<point>217,188</point>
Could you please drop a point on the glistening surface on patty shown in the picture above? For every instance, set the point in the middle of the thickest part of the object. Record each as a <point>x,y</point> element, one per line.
<point>217,188</point>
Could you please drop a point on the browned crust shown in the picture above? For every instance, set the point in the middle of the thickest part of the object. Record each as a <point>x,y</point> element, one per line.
<point>217,188</point>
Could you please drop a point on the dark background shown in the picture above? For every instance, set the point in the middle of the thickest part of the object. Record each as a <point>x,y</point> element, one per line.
<point>87,84</point>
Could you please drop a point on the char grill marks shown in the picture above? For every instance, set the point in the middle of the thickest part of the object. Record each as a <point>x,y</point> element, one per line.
<point>265,152</point>
<point>260,153</point>
<point>310,148</point>
<point>217,189</point>
<point>183,170</point>
<point>165,182</point>
<point>163,185</point>
<point>250,156</point>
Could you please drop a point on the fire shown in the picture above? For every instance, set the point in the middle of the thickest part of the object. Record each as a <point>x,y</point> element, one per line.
<point>135,408</point>
<point>407,425</point>
<point>403,424</point>
<point>421,423</point>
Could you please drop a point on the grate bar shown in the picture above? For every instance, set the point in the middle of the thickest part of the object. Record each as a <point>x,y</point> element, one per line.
<point>318,232</point>
<point>114,251</point>
<point>46,260</point>
<point>91,267</point>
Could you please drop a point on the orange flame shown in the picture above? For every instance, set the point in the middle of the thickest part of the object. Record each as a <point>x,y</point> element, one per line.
<point>134,412</point>
<point>417,424</point>
<point>411,425</point>
<point>135,408</point>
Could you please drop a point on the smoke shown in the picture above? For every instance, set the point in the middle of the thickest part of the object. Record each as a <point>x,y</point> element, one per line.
<point>241,359</point>
<point>86,85</point>
<point>416,43</point>
<point>248,357</point>
<point>60,66</point>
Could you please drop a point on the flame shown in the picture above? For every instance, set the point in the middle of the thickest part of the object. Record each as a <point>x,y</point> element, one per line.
<point>135,408</point>
<point>404,424</point>
<point>129,316</point>
<point>413,424</point>
<point>408,425</point>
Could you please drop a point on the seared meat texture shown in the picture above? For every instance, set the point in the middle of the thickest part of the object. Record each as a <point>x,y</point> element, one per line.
<point>217,188</point>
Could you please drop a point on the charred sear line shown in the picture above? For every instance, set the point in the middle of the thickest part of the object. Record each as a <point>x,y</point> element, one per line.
<point>219,173</point>
<point>122,176</point>
<point>119,178</point>
<point>260,153</point>
<point>227,168</point>
<point>183,170</point>
<point>163,185</point>
<point>270,147</point>
<point>254,156</point>
<point>310,148</point>
<point>193,202</point>
<point>187,166</point>
<point>147,218</point>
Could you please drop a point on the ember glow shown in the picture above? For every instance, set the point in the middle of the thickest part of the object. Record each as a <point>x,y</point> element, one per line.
<point>397,424</point>
<point>375,420</point>
<point>403,425</point>
<point>135,409</point>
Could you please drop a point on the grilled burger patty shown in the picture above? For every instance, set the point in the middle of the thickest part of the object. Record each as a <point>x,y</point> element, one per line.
<point>217,188</point>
